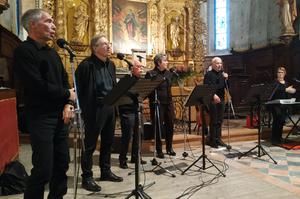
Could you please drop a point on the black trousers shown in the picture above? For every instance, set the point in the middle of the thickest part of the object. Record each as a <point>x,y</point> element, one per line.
<point>167,115</point>
<point>216,112</point>
<point>50,156</point>
<point>279,115</point>
<point>129,127</point>
<point>105,126</point>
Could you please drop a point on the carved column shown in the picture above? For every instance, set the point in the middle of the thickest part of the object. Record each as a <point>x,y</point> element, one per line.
<point>95,16</point>
<point>104,17</point>
<point>154,37</point>
<point>48,5</point>
<point>161,26</point>
<point>60,19</point>
<point>100,18</point>
<point>190,29</point>
<point>200,35</point>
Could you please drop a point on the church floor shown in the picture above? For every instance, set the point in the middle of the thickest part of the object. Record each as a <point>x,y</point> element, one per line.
<point>248,177</point>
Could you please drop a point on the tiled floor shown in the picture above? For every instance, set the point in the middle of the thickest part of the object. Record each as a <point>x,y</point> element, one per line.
<point>248,177</point>
<point>287,168</point>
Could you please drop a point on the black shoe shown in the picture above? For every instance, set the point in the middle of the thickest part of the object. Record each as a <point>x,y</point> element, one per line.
<point>160,155</point>
<point>110,176</point>
<point>221,143</point>
<point>277,142</point>
<point>212,144</point>
<point>90,185</point>
<point>171,152</point>
<point>142,161</point>
<point>123,165</point>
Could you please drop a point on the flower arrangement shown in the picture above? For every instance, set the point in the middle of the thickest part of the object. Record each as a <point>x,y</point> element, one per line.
<point>184,73</point>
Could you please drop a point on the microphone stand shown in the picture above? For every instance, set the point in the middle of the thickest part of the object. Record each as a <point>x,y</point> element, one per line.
<point>78,123</point>
<point>230,106</point>
<point>157,130</point>
<point>180,84</point>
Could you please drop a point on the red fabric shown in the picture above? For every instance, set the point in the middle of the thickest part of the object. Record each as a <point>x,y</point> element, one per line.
<point>291,146</point>
<point>254,121</point>
<point>9,139</point>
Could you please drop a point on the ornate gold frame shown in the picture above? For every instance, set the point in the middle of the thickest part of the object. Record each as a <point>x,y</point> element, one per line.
<point>100,11</point>
<point>148,27</point>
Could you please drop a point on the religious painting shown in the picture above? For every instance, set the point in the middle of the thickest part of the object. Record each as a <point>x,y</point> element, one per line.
<point>129,25</point>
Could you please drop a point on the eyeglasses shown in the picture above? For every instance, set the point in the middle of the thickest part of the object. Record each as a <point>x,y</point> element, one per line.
<point>105,44</point>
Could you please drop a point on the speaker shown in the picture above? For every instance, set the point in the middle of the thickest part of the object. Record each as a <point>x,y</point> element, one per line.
<point>149,131</point>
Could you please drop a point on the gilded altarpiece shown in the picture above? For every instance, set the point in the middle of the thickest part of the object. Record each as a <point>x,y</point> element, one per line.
<point>170,26</point>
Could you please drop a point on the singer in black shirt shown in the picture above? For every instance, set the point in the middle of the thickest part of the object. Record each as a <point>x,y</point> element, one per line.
<point>217,78</point>
<point>130,124</point>
<point>48,106</point>
<point>281,91</point>
<point>165,104</point>
<point>95,78</point>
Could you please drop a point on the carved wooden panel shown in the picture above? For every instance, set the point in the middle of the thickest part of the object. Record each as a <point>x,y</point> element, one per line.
<point>8,42</point>
<point>258,66</point>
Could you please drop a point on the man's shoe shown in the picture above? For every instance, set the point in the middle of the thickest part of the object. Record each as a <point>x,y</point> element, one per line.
<point>171,152</point>
<point>90,185</point>
<point>212,144</point>
<point>160,155</point>
<point>142,161</point>
<point>221,143</point>
<point>110,176</point>
<point>123,165</point>
<point>277,142</point>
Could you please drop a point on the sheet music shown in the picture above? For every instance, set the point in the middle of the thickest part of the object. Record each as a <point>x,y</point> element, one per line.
<point>283,101</point>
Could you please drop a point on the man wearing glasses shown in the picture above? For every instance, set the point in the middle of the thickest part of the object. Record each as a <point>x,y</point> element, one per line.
<point>95,78</point>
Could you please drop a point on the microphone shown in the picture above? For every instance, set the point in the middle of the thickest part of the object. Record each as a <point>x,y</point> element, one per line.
<point>140,57</point>
<point>65,45</point>
<point>151,75</point>
<point>121,56</point>
<point>296,80</point>
<point>173,70</point>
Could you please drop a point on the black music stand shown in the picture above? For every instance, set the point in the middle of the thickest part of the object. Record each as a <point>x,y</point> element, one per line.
<point>131,90</point>
<point>258,94</point>
<point>202,95</point>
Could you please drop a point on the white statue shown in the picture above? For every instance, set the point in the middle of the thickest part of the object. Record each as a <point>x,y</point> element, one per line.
<point>174,32</point>
<point>288,15</point>
<point>80,24</point>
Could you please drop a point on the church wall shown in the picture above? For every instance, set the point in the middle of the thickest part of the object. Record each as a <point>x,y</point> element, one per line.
<point>254,24</point>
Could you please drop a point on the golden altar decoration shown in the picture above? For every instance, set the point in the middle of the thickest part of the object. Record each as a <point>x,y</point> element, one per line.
<point>165,26</point>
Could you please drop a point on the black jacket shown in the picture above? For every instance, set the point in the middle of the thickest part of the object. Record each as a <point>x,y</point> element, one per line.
<point>86,85</point>
<point>216,79</point>
<point>164,94</point>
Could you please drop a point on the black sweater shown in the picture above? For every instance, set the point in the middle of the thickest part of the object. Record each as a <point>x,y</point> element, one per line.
<point>279,91</point>
<point>43,76</point>
<point>164,94</point>
<point>216,79</point>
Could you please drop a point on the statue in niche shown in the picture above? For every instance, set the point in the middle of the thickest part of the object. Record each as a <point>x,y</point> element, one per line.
<point>80,24</point>
<point>288,15</point>
<point>175,32</point>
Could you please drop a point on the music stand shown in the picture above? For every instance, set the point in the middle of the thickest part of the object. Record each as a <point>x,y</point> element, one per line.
<point>258,94</point>
<point>202,95</point>
<point>131,90</point>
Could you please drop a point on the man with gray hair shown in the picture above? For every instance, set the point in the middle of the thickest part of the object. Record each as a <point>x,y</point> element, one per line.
<point>216,77</point>
<point>49,104</point>
<point>95,78</point>
<point>164,102</point>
